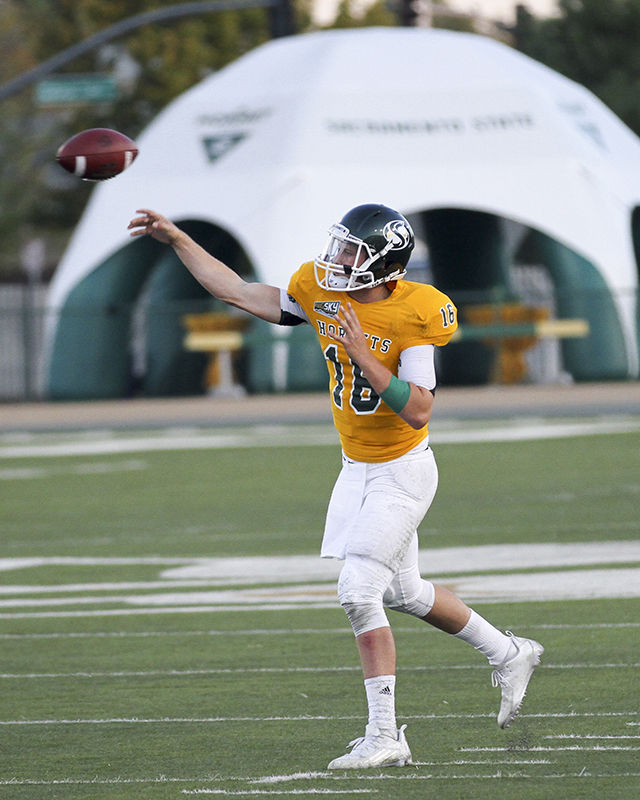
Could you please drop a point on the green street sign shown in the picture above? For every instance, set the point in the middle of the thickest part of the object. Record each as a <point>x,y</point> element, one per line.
<point>66,90</point>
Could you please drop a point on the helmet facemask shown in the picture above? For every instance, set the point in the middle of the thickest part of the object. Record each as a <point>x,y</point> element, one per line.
<point>349,263</point>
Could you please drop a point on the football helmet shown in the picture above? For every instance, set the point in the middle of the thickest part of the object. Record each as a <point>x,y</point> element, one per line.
<point>370,245</point>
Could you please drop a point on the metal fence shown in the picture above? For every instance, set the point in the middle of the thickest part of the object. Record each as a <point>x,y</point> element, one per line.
<point>22,336</point>
<point>517,346</point>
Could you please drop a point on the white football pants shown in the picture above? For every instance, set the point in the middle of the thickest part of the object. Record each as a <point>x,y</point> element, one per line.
<point>372,522</point>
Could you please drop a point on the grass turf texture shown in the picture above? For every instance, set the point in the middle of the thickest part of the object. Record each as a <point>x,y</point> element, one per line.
<point>167,706</point>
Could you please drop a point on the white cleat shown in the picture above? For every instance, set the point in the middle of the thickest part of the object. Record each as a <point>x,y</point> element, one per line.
<point>375,749</point>
<point>513,677</point>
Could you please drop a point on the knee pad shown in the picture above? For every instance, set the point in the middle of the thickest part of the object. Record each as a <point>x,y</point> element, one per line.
<point>360,588</point>
<point>365,617</point>
<point>410,594</point>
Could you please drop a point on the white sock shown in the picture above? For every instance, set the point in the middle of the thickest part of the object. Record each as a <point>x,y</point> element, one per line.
<point>482,635</point>
<point>381,699</point>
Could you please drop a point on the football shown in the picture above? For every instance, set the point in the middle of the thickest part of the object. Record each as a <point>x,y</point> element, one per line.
<point>97,154</point>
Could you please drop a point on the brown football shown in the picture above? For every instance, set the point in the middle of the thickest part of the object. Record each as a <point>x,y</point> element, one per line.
<point>97,154</point>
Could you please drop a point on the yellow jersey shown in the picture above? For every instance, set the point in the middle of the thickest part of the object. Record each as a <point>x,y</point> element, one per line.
<point>413,314</point>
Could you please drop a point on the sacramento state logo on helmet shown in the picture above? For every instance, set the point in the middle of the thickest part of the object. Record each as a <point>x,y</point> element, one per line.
<point>397,234</point>
<point>383,241</point>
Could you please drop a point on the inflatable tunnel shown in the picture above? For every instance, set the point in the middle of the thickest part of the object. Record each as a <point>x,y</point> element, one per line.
<point>471,262</point>
<point>635,236</point>
<point>130,309</point>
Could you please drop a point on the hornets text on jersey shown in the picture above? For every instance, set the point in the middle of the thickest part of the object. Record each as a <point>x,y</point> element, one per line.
<point>413,314</point>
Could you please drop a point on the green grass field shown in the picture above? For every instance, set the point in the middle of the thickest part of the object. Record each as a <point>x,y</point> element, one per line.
<point>130,670</point>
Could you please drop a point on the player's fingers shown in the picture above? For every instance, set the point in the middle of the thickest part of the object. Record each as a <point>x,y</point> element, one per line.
<point>149,223</point>
<point>351,319</point>
<point>148,218</point>
<point>350,314</point>
<point>341,332</point>
<point>139,222</point>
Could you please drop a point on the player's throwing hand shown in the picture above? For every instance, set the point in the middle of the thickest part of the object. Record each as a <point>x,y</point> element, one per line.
<point>154,225</point>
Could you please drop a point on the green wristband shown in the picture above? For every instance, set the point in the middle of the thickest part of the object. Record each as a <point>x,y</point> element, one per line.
<point>396,395</point>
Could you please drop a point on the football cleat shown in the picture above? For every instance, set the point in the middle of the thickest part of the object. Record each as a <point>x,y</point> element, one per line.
<point>513,676</point>
<point>375,749</point>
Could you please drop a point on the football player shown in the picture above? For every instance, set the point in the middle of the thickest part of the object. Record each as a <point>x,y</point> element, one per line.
<point>377,332</point>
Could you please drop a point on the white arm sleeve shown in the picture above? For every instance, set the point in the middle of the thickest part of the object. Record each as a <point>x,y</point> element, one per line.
<point>290,308</point>
<point>417,365</point>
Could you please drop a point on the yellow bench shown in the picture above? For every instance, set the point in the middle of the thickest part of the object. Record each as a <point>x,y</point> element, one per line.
<point>220,335</point>
<point>512,328</point>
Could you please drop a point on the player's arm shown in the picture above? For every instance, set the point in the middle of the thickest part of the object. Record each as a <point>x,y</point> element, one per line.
<point>217,278</point>
<point>411,402</point>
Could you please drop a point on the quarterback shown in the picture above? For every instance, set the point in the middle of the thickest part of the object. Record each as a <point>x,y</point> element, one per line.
<point>378,333</point>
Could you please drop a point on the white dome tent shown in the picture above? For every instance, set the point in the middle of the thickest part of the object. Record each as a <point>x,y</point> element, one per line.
<point>456,130</point>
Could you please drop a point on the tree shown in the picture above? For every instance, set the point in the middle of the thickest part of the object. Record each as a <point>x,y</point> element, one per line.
<point>374,14</point>
<point>164,60</point>
<point>594,44</point>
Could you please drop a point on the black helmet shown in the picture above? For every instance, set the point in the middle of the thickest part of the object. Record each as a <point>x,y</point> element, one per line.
<point>370,245</point>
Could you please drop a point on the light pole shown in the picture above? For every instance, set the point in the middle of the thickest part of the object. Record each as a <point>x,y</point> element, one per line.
<point>281,25</point>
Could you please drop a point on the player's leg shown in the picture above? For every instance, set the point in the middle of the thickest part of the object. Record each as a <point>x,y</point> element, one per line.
<point>360,588</point>
<point>514,658</point>
<point>392,505</point>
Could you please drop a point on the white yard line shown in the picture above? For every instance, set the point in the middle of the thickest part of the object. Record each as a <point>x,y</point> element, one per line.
<point>546,586</point>
<point>312,718</point>
<point>166,720</point>
<point>149,611</point>
<point>25,562</point>
<point>251,632</point>
<point>538,749</point>
<point>278,792</point>
<point>588,736</point>
<point>184,585</point>
<point>83,468</point>
<point>287,436</point>
<point>197,441</point>
<point>281,670</point>
<point>537,430</point>
<point>360,776</point>
<point>529,587</point>
<point>152,634</point>
<point>113,586</point>
<point>435,561</point>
